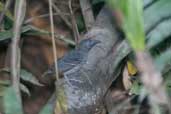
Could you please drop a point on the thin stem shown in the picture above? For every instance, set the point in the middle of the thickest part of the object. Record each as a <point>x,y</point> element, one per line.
<point>42,16</point>
<point>62,16</point>
<point>20,8</point>
<point>74,23</point>
<point>53,39</point>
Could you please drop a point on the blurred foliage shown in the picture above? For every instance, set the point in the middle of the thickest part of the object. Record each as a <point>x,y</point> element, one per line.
<point>130,13</point>
<point>47,109</point>
<point>163,64</point>
<point>8,13</point>
<point>11,103</point>
<point>61,102</point>
<point>157,41</point>
<point>8,18</point>
<point>80,23</point>
<point>25,76</point>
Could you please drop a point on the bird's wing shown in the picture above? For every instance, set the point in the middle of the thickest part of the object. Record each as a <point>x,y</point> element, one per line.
<point>67,62</point>
<point>71,60</point>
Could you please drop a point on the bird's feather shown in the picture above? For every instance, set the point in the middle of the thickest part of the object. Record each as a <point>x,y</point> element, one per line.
<point>74,57</point>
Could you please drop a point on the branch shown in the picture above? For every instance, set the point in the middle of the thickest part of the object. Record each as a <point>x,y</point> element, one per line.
<point>20,8</point>
<point>74,23</point>
<point>87,13</point>
<point>62,16</point>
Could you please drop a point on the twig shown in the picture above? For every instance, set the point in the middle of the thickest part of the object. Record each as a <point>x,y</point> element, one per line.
<point>53,39</point>
<point>42,16</point>
<point>62,16</point>
<point>87,13</point>
<point>7,5</point>
<point>53,43</point>
<point>66,40</point>
<point>57,36</point>
<point>20,9</point>
<point>74,24</point>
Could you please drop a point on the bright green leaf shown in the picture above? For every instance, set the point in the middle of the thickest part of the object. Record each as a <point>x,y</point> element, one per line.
<point>132,22</point>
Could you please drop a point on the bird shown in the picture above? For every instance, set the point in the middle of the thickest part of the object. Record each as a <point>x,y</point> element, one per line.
<point>73,58</point>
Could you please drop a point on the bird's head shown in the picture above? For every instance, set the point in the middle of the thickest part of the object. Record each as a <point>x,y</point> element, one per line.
<point>88,43</point>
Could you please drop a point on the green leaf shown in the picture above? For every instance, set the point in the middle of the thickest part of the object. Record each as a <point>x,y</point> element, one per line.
<point>29,77</point>
<point>147,2</point>
<point>159,34</point>
<point>31,30</point>
<point>6,35</point>
<point>5,82</point>
<point>136,88</point>
<point>168,79</point>
<point>8,23</point>
<point>24,89</point>
<point>132,22</point>
<point>80,23</point>
<point>163,59</point>
<point>25,75</point>
<point>48,109</point>
<point>2,90</point>
<point>12,105</point>
<point>36,31</point>
<point>151,17</point>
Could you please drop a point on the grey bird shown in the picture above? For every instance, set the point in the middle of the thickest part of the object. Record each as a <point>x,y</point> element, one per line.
<point>74,57</point>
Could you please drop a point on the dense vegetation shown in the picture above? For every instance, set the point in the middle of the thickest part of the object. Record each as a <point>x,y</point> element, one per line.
<point>36,33</point>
